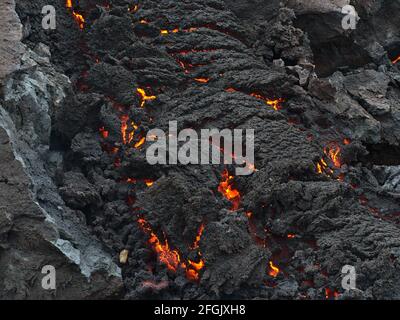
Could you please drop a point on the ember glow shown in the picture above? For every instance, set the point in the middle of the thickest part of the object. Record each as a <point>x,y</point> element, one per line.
<point>68,3</point>
<point>144,97</point>
<point>134,9</point>
<point>196,242</point>
<point>273,270</point>
<point>331,294</point>
<point>176,30</point>
<point>333,152</point>
<point>104,133</point>
<point>396,60</point>
<point>226,188</point>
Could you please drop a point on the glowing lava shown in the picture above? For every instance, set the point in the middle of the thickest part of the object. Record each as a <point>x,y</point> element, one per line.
<point>333,151</point>
<point>273,270</point>
<point>276,104</point>
<point>226,188</point>
<point>144,97</point>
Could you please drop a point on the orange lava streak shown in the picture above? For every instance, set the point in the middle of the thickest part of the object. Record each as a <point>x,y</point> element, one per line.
<point>149,182</point>
<point>80,20</point>
<point>140,143</point>
<point>176,30</point>
<point>396,60</point>
<point>124,128</point>
<point>144,97</point>
<point>202,80</point>
<point>333,151</point>
<point>226,188</point>
<point>273,270</point>
<point>196,242</point>
<point>170,258</point>
<point>276,104</point>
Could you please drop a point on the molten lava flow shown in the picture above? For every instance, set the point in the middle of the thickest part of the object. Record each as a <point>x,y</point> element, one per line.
<point>291,236</point>
<point>202,80</point>
<point>148,182</point>
<point>226,188</point>
<point>144,97</point>
<point>394,61</point>
<point>333,151</point>
<point>196,242</point>
<point>68,4</point>
<point>170,258</point>
<point>273,270</point>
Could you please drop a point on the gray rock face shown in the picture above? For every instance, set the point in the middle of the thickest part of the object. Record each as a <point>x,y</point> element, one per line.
<point>31,97</point>
<point>11,48</point>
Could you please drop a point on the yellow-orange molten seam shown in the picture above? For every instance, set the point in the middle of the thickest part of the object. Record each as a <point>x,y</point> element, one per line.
<point>226,188</point>
<point>273,270</point>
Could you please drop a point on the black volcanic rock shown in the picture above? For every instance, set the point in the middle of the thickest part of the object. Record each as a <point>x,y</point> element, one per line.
<point>323,102</point>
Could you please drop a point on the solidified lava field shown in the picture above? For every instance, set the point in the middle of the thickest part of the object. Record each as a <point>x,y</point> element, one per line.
<point>76,190</point>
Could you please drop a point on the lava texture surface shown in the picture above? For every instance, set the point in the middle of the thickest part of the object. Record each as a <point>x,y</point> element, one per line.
<point>325,106</point>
